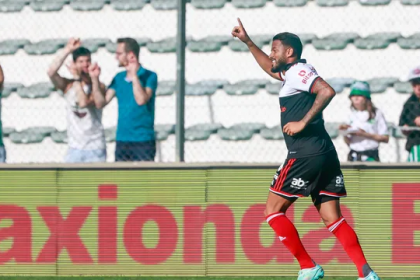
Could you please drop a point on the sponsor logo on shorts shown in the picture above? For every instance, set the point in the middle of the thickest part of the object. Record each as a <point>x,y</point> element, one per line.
<point>299,183</point>
<point>339,181</point>
<point>282,238</point>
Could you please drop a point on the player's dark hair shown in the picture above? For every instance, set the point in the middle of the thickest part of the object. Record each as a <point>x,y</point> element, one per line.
<point>130,45</point>
<point>290,40</point>
<point>82,51</point>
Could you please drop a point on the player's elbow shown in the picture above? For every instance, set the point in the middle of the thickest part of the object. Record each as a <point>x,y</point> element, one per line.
<point>328,92</point>
<point>51,73</point>
<point>385,139</point>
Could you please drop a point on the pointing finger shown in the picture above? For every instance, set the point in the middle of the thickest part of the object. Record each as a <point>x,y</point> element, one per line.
<point>240,23</point>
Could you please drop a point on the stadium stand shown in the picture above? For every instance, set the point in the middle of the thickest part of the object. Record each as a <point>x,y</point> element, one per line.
<point>232,109</point>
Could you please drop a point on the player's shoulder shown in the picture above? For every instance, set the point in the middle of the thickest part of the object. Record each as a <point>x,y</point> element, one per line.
<point>301,74</point>
<point>300,71</point>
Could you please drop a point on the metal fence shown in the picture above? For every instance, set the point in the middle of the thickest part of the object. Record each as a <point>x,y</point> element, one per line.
<point>231,105</point>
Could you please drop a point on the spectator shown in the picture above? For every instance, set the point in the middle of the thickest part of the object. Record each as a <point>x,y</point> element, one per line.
<point>367,126</point>
<point>86,137</point>
<point>410,117</point>
<point>135,91</point>
<point>2,149</point>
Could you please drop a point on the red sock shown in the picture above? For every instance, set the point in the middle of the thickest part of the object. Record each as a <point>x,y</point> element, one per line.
<point>288,234</point>
<point>348,238</point>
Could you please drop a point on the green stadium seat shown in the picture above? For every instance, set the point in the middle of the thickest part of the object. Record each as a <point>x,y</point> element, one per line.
<point>83,5</point>
<point>254,127</point>
<point>389,36</point>
<point>239,46</point>
<point>59,137</point>
<point>9,47</point>
<point>332,3</point>
<point>235,134</point>
<point>8,88</point>
<point>7,131</point>
<point>199,90</point>
<point>306,38</point>
<point>164,4</point>
<point>403,87</point>
<point>206,4</point>
<point>49,46</point>
<point>329,44</point>
<point>26,138</point>
<point>11,6</point>
<point>341,81</point>
<point>415,36</point>
<point>273,88</point>
<point>210,127</point>
<point>378,87</point>
<point>371,44</point>
<point>274,133</point>
<point>261,83</point>
<point>290,3</point>
<point>110,134</point>
<point>374,2</point>
<point>47,5</point>
<point>240,89</point>
<point>332,129</point>
<point>161,135</point>
<point>410,2</point>
<point>165,89</point>
<point>94,44</point>
<point>389,81</point>
<point>213,83</point>
<point>40,90</point>
<point>43,130</point>
<point>197,135</point>
<point>168,128</point>
<point>346,36</point>
<point>248,4</point>
<point>338,88</point>
<point>223,39</point>
<point>409,43</point>
<point>263,38</point>
<point>163,46</point>
<point>128,5</point>
<point>204,46</point>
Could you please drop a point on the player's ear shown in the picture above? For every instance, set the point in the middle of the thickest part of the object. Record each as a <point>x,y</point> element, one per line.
<point>289,52</point>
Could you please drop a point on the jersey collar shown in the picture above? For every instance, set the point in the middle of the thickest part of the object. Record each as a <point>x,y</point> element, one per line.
<point>287,67</point>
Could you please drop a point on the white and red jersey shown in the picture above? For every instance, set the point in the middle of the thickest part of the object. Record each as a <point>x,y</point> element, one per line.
<point>296,99</point>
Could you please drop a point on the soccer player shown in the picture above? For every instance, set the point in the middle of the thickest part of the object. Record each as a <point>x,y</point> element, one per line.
<point>312,166</point>
<point>86,136</point>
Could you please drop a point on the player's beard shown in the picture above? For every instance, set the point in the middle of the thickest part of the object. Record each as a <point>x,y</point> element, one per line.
<point>278,67</point>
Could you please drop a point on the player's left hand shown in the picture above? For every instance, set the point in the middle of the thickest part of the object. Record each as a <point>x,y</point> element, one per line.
<point>293,128</point>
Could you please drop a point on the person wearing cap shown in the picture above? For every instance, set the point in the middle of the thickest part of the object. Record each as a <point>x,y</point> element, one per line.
<point>410,117</point>
<point>367,126</point>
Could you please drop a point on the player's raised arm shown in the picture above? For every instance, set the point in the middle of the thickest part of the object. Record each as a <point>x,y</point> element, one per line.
<point>261,57</point>
<point>324,94</point>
